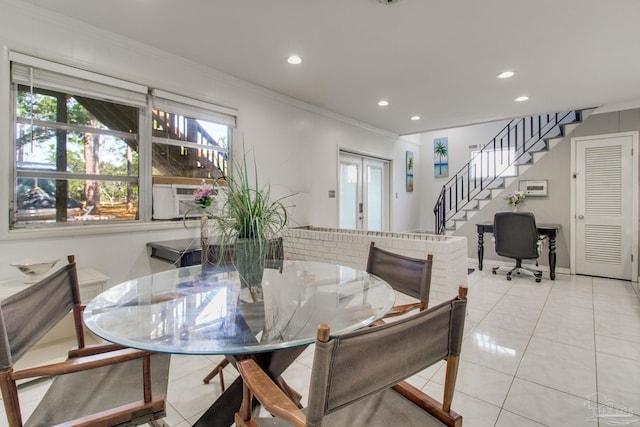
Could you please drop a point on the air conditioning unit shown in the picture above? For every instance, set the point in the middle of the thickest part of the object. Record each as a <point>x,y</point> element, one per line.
<point>176,201</point>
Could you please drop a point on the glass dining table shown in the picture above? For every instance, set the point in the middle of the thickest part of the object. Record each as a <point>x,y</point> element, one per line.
<point>206,311</point>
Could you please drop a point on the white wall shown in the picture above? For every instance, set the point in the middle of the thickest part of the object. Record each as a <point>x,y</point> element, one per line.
<point>295,144</point>
<point>459,140</point>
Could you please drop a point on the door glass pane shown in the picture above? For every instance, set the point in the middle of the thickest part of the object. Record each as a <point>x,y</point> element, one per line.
<point>348,195</point>
<point>374,198</point>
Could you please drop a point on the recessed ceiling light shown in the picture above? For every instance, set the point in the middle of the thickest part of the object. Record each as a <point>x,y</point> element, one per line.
<point>414,118</point>
<point>505,75</point>
<point>294,60</point>
<point>521,98</point>
<point>383,103</point>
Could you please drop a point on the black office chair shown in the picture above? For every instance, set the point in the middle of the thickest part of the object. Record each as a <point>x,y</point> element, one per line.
<point>516,236</point>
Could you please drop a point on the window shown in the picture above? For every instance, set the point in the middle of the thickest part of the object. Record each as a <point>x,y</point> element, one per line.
<point>85,150</point>
<point>76,146</point>
<point>190,138</point>
<point>490,164</point>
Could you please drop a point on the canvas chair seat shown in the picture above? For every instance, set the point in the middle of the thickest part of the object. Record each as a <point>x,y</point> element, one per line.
<point>120,385</point>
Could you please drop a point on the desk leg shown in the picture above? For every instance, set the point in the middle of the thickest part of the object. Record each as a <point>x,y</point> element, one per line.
<point>480,249</point>
<point>552,257</point>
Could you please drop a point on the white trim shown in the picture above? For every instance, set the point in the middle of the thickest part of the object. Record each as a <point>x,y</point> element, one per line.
<point>90,229</point>
<point>76,72</point>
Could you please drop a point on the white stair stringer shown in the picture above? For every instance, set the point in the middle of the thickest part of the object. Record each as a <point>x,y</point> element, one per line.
<point>486,196</point>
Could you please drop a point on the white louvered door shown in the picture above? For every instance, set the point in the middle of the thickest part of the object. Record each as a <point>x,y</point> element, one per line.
<point>604,206</point>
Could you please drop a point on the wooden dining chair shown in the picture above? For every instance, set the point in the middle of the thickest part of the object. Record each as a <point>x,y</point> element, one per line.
<point>356,379</point>
<point>410,276</point>
<point>97,385</point>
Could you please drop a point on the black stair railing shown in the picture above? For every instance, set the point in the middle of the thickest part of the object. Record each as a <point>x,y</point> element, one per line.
<point>513,145</point>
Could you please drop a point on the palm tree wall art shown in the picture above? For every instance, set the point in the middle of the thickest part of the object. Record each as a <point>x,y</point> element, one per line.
<point>409,171</point>
<point>440,157</point>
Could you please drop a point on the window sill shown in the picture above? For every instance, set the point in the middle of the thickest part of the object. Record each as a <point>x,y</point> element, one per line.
<point>95,229</point>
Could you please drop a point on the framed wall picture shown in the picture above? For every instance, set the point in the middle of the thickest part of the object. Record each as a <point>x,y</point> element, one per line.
<point>409,170</point>
<point>440,157</point>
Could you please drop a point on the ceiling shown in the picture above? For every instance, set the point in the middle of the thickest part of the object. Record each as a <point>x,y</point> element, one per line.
<point>434,58</point>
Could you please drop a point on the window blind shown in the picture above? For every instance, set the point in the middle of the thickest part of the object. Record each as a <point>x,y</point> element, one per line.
<point>193,108</point>
<point>36,72</point>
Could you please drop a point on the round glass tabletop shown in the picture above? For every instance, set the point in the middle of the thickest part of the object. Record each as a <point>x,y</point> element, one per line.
<point>192,310</point>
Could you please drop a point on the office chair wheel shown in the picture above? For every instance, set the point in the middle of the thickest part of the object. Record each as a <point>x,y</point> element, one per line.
<point>538,279</point>
<point>508,277</point>
<point>494,272</point>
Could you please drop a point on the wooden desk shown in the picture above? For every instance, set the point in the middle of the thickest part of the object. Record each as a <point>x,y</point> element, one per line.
<point>549,230</point>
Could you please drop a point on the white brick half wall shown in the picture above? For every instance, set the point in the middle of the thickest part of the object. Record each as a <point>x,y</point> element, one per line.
<point>351,248</point>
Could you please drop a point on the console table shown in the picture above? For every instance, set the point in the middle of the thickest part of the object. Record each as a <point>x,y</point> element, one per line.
<point>181,252</point>
<point>549,230</point>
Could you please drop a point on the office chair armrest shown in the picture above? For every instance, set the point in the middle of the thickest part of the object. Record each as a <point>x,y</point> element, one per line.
<point>272,398</point>
<point>79,364</point>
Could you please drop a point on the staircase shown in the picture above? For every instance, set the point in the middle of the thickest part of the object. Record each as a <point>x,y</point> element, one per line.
<point>498,163</point>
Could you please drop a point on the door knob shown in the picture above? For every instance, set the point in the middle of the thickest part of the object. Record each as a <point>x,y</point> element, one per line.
<point>580,216</point>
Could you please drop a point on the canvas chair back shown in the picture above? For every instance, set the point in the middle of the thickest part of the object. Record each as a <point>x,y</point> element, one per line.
<point>25,317</point>
<point>411,276</point>
<point>352,366</point>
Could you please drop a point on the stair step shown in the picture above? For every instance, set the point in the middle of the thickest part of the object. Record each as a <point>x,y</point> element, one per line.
<point>497,183</point>
<point>483,203</point>
<point>552,142</point>
<point>567,128</point>
<point>459,215</point>
<point>526,158</point>
<point>538,146</point>
<point>537,156</point>
<point>484,195</point>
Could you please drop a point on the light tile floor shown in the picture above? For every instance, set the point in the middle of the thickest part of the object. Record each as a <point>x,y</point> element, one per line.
<point>556,353</point>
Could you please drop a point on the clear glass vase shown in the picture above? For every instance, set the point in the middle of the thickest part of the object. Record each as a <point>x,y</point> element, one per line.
<point>250,259</point>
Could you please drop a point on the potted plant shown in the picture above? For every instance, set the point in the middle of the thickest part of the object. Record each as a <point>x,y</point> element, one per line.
<point>514,198</point>
<point>247,220</point>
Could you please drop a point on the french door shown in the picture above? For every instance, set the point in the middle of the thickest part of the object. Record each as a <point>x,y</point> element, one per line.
<point>363,193</point>
<point>605,219</point>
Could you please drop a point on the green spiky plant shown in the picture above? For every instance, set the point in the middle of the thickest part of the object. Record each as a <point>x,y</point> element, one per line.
<point>248,211</point>
<point>248,219</point>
